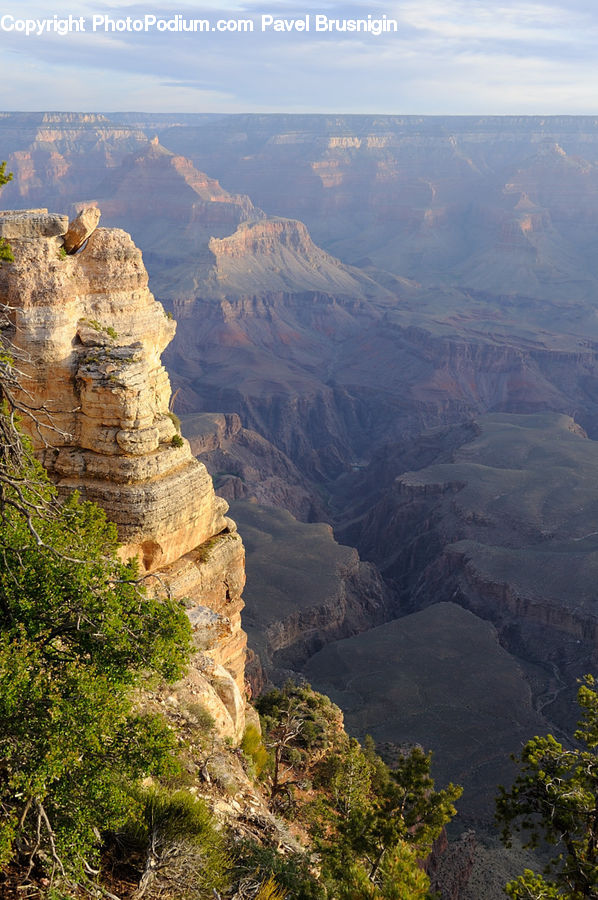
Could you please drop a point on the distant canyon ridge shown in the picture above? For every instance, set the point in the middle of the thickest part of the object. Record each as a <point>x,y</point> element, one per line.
<point>387,324</point>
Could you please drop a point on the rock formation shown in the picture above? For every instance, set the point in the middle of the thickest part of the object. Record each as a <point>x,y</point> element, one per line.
<point>90,334</point>
<point>503,203</point>
<point>505,525</point>
<point>245,466</point>
<point>56,156</point>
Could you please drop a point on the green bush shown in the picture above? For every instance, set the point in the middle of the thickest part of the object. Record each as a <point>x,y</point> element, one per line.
<point>553,802</point>
<point>6,254</point>
<point>177,440</point>
<point>78,634</point>
<point>254,749</point>
<point>185,854</point>
<point>93,323</point>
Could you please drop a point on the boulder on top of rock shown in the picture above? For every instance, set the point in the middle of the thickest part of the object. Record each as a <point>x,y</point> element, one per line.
<point>81,228</point>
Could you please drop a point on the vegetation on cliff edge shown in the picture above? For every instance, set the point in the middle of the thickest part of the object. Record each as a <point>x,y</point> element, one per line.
<point>78,634</point>
<point>5,251</point>
<point>554,800</point>
<point>370,826</point>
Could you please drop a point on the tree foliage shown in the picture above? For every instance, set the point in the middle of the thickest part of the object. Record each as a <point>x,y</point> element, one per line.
<point>400,878</point>
<point>381,821</point>
<point>371,825</point>
<point>554,799</point>
<point>77,634</point>
<point>299,725</point>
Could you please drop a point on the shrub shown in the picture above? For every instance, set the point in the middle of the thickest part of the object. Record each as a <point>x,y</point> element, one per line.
<point>553,801</point>
<point>6,254</point>
<point>254,749</point>
<point>269,890</point>
<point>78,634</point>
<point>97,326</point>
<point>185,854</point>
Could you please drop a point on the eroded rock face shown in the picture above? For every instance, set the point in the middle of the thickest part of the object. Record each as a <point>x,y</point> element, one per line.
<point>503,522</point>
<point>91,335</point>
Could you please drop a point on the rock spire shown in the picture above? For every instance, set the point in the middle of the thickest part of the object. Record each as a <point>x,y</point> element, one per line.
<point>90,335</point>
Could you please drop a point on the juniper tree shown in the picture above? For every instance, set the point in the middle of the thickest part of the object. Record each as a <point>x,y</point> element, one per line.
<point>371,825</point>
<point>554,799</point>
<point>77,634</point>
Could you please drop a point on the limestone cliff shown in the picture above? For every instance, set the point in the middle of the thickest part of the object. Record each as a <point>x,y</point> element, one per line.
<point>90,335</point>
<point>304,591</point>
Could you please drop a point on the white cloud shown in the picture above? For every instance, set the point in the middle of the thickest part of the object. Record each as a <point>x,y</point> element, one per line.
<point>460,56</point>
<point>481,21</point>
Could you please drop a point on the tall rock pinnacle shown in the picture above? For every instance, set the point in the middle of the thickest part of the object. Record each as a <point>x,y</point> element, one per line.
<point>89,335</point>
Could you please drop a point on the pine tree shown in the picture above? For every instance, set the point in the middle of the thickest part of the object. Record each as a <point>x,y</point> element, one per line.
<point>78,634</point>
<point>554,799</point>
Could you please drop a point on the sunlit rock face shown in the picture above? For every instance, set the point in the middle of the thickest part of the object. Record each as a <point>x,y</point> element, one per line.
<point>89,335</point>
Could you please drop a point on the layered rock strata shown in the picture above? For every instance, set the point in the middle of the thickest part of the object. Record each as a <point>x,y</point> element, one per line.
<point>89,336</point>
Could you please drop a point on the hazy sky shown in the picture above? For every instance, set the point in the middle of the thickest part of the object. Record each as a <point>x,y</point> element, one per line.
<point>453,57</point>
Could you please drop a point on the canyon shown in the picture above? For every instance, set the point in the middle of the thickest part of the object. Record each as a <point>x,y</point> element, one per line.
<point>385,357</point>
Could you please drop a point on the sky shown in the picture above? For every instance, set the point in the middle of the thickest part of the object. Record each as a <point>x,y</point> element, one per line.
<point>458,57</point>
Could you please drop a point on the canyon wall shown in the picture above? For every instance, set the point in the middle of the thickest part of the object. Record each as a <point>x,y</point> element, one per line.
<point>244,465</point>
<point>88,335</point>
